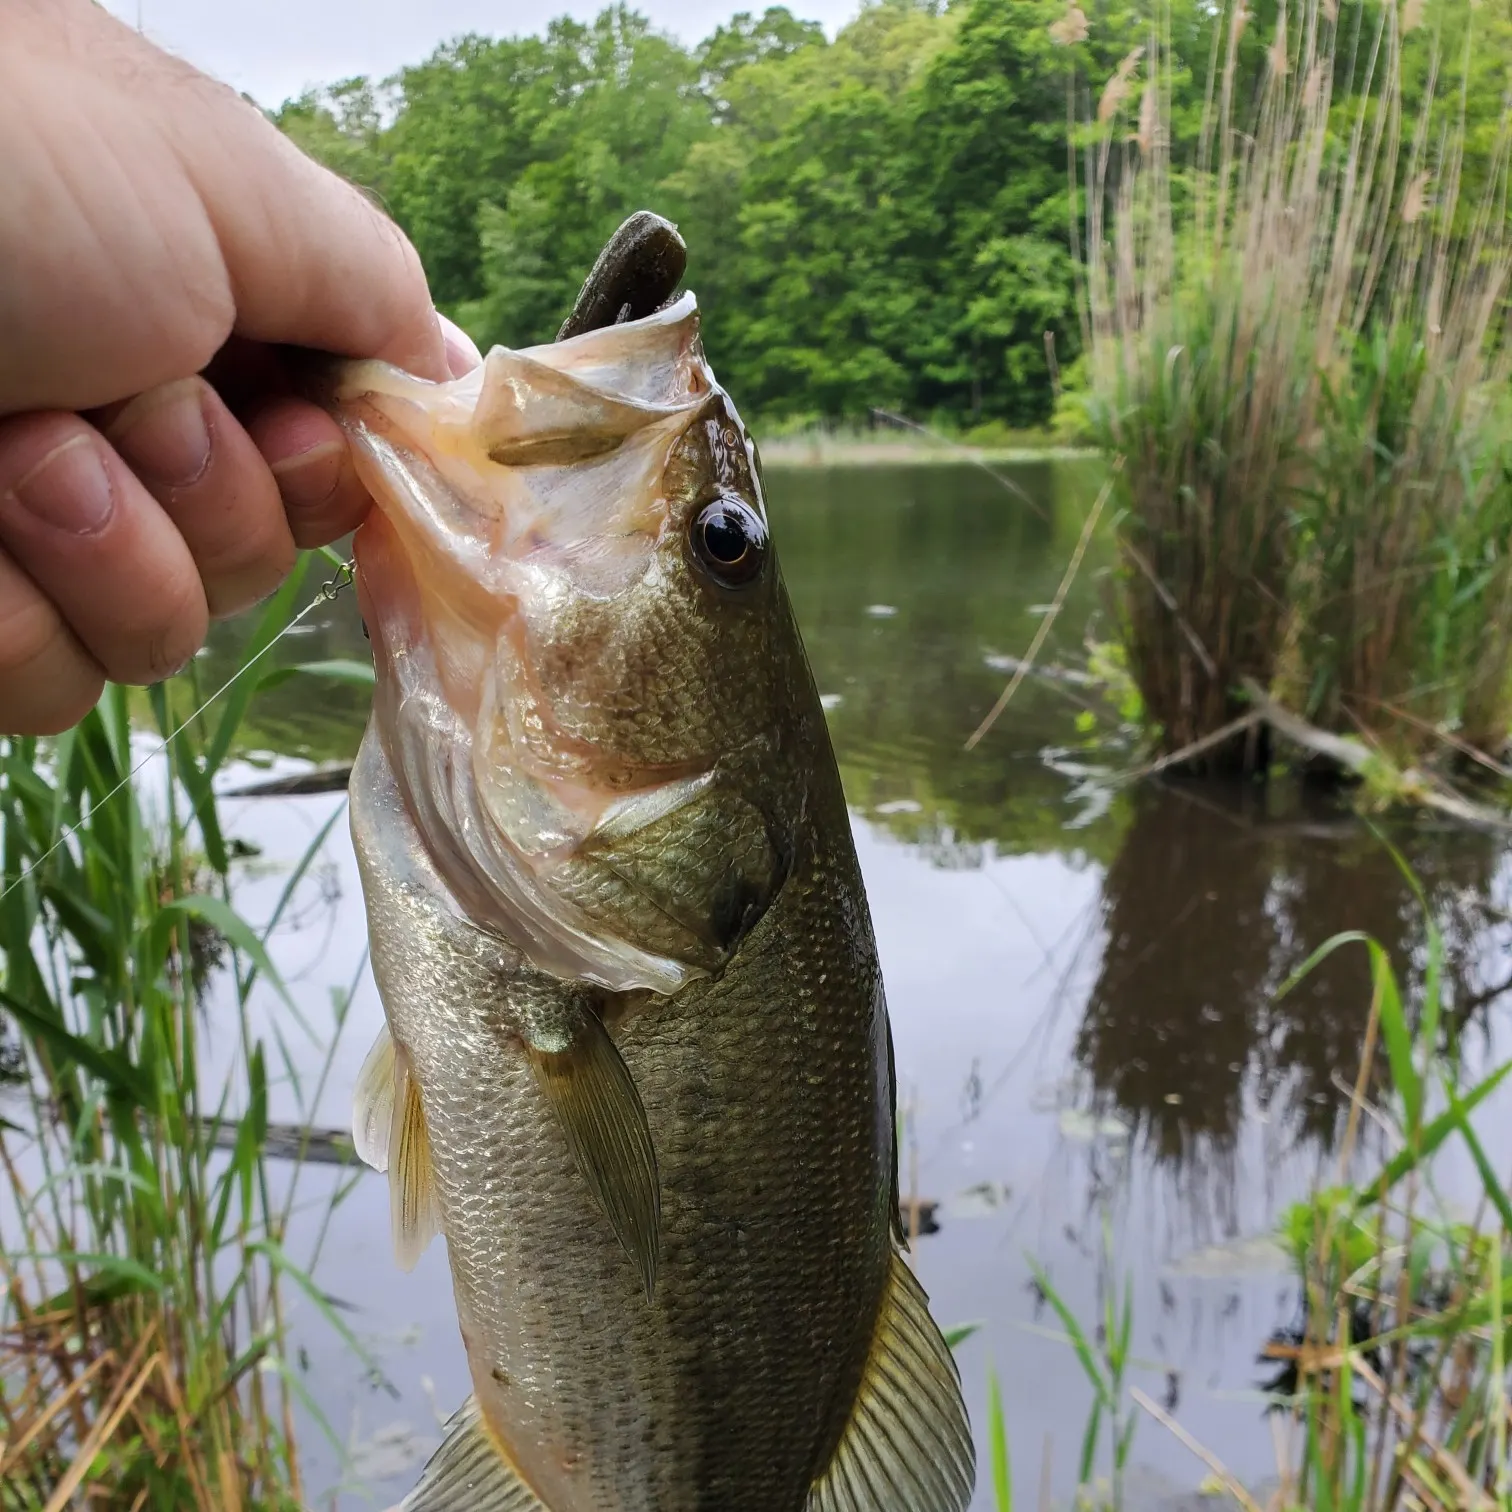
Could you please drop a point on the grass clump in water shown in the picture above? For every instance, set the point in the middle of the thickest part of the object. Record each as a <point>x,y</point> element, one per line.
<point>1395,1391</point>
<point>1297,345</point>
<point>142,1270</point>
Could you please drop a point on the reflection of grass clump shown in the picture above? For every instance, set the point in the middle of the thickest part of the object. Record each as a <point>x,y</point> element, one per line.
<point>1393,1392</point>
<point>1297,346</point>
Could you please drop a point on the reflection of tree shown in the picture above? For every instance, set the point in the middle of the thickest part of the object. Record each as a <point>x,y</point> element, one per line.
<point>960,560</point>
<point>1210,905</point>
<point>1174,1016</point>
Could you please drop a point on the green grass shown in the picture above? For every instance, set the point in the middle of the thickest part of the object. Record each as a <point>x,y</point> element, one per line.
<point>1297,345</point>
<point>144,1283</point>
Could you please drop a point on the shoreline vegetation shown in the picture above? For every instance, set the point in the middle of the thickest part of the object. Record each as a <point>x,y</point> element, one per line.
<point>144,1283</point>
<point>1297,339</point>
<point>1274,286</point>
<point>855,446</point>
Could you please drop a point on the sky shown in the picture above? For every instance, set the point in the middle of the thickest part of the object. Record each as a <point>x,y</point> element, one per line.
<point>273,49</point>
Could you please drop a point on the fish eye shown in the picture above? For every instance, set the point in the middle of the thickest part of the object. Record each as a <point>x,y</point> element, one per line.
<point>729,541</point>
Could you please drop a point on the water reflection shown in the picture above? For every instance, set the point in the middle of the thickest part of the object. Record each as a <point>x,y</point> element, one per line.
<point>1083,979</point>
<point>1212,902</point>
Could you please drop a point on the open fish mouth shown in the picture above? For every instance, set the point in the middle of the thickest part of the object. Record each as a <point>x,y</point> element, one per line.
<point>516,508</point>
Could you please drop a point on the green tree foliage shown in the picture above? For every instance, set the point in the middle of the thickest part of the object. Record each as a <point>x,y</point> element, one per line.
<point>881,220</point>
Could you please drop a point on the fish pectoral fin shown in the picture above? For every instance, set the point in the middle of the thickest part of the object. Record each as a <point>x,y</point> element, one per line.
<point>907,1446</point>
<point>413,1212</point>
<point>469,1472</point>
<point>373,1103</point>
<point>596,1102</point>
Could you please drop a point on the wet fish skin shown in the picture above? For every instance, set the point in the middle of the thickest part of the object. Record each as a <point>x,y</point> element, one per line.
<point>636,1029</point>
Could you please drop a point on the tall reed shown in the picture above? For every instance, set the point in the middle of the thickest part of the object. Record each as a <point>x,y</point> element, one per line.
<point>142,1272</point>
<point>1297,339</point>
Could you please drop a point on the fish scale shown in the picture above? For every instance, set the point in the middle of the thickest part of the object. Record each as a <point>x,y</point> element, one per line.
<point>636,1066</point>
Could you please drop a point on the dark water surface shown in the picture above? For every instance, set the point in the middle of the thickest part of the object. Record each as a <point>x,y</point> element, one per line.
<point>1082,981</point>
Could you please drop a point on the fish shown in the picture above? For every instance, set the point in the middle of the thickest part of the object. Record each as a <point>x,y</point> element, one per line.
<point>636,1065</point>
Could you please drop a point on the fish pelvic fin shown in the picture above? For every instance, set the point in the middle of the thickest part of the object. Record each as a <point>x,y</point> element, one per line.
<point>469,1472</point>
<point>373,1103</point>
<point>413,1211</point>
<point>596,1102</point>
<point>907,1446</point>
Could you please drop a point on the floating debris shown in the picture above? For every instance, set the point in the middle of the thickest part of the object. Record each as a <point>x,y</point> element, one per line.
<point>1087,1128</point>
<point>1258,1255</point>
<point>982,1200</point>
<point>321,779</point>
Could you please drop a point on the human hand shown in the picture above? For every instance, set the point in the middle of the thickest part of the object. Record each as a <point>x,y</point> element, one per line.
<point>160,239</point>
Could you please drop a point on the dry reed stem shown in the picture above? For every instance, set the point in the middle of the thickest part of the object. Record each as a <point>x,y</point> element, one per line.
<point>1207,1457</point>
<point>1047,620</point>
<point>1471,1497</point>
<point>1214,343</point>
<point>10,1456</point>
<point>122,1395</point>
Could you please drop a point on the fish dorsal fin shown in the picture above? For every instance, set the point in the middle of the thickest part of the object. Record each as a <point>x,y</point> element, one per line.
<point>596,1102</point>
<point>907,1446</point>
<point>412,1189</point>
<point>469,1473</point>
<point>373,1103</point>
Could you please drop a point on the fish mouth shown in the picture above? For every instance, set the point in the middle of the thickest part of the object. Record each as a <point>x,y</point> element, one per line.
<point>534,479</point>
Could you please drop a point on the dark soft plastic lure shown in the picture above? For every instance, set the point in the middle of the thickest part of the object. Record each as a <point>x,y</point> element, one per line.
<point>636,274</point>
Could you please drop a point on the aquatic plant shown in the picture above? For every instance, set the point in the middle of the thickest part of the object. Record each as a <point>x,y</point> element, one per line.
<point>1393,1392</point>
<point>1297,346</point>
<point>1396,1388</point>
<point>142,1270</point>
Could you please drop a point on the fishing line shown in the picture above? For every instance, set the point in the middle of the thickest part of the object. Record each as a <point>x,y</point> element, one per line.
<point>329,590</point>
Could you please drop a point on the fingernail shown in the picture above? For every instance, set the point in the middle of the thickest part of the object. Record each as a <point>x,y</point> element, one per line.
<point>69,489</point>
<point>163,434</point>
<point>462,354</point>
<point>310,477</point>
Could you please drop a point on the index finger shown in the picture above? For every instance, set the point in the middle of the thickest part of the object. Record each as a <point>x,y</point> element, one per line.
<point>311,261</point>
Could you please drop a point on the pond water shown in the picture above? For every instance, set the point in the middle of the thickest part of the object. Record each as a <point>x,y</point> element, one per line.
<point>1094,1068</point>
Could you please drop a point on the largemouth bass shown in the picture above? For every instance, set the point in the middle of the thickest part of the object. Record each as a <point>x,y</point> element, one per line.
<point>637,1066</point>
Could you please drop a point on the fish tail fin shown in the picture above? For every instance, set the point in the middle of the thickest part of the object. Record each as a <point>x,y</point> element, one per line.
<point>596,1102</point>
<point>907,1446</point>
<point>470,1473</point>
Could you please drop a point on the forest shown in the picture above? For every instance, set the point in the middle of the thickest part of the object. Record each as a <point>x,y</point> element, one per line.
<point>891,219</point>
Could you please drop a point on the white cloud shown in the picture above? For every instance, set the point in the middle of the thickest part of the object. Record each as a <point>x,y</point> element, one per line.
<point>273,49</point>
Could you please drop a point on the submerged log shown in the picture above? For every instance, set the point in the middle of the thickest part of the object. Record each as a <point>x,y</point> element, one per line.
<point>1410,784</point>
<point>323,779</point>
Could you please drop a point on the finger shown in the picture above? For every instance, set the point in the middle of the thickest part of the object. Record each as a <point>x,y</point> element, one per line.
<point>313,262</point>
<point>214,222</point>
<point>308,455</point>
<point>82,527</point>
<point>48,681</point>
<point>462,354</point>
<point>212,483</point>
